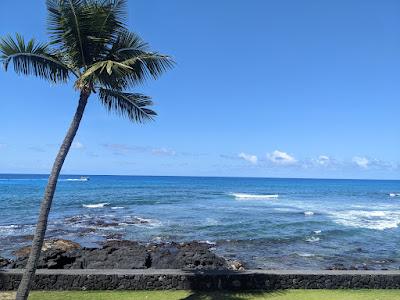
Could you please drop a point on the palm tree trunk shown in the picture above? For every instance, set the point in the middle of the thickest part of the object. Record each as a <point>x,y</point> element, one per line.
<point>30,269</point>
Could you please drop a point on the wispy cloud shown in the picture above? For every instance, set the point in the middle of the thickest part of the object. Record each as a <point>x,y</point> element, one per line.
<point>77,145</point>
<point>163,151</point>
<point>37,149</point>
<point>253,159</point>
<point>373,163</point>
<point>92,154</point>
<point>2,146</point>
<point>123,149</point>
<point>281,158</point>
<point>119,149</point>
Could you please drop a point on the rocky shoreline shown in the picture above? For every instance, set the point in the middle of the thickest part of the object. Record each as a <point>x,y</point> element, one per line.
<point>123,254</point>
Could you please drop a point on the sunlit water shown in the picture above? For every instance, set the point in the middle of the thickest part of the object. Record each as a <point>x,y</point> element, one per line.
<point>267,223</point>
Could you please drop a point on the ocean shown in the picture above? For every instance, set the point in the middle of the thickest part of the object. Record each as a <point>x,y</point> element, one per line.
<point>265,222</point>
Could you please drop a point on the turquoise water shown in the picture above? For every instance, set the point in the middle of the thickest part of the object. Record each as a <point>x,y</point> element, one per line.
<point>267,223</point>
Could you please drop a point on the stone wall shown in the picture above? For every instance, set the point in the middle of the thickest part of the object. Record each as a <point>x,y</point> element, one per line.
<point>209,280</point>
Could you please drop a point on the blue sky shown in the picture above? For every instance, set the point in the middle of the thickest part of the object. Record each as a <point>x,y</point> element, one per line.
<point>261,88</point>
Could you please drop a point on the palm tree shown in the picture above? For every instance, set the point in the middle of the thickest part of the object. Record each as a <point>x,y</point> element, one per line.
<point>89,42</point>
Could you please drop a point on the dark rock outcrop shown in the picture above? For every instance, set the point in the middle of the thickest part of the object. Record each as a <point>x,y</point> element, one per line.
<point>62,254</point>
<point>113,255</point>
<point>193,255</point>
<point>4,262</point>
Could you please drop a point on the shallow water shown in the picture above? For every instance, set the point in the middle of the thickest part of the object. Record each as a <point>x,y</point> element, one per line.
<point>267,223</point>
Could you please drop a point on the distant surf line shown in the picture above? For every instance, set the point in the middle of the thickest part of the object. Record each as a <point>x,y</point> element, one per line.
<point>254,196</point>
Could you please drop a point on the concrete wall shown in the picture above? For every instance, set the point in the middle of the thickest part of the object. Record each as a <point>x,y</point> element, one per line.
<point>211,280</point>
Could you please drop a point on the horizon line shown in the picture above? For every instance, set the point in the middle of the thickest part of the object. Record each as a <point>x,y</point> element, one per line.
<point>206,176</point>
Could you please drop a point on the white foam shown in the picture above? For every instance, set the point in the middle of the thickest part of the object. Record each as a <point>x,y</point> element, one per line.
<point>141,222</point>
<point>312,239</point>
<point>211,222</point>
<point>10,226</point>
<point>22,179</point>
<point>117,207</point>
<point>76,179</point>
<point>8,230</point>
<point>286,209</point>
<point>376,219</point>
<point>208,242</point>
<point>98,205</point>
<point>394,194</point>
<point>308,213</point>
<point>149,222</point>
<point>305,254</point>
<point>317,231</point>
<point>254,196</point>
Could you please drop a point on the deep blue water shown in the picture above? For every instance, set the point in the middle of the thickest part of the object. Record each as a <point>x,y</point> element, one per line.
<point>267,223</point>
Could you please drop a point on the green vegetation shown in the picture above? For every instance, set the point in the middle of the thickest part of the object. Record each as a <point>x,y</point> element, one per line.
<point>184,295</point>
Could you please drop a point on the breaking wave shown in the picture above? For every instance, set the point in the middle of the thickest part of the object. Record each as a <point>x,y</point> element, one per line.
<point>75,179</point>
<point>376,219</point>
<point>254,196</point>
<point>98,205</point>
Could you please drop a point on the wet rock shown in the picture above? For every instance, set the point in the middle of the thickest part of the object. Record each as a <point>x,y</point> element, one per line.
<point>193,255</point>
<point>113,255</point>
<point>4,262</point>
<point>137,221</point>
<point>116,254</point>
<point>102,223</point>
<point>340,266</point>
<point>337,266</point>
<point>114,236</point>
<point>86,231</point>
<point>73,219</point>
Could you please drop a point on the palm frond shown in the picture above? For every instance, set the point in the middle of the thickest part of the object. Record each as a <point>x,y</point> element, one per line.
<point>85,29</point>
<point>32,58</point>
<point>129,63</point>
<point>65,19</point>
<point>145,65</point>
<point>129,72</point>
<point>127,43</point>
<point>116,11</point>
<point>106,73</point>
<point>132,105</point>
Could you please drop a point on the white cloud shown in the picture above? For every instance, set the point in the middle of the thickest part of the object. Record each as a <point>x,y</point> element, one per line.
<point>362,162</point>
<point>2,145</point>
<point>323,160</point>
<point>281,158</point>
<point>77,145</point>
<point>373,163</point>
<point>249,157</point>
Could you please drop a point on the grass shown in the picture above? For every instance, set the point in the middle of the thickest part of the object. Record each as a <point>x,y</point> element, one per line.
<point>185,295</point>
